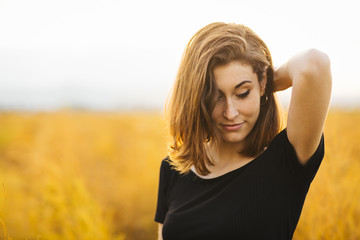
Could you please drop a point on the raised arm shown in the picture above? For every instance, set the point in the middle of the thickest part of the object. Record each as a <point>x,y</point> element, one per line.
<point>310,76</point>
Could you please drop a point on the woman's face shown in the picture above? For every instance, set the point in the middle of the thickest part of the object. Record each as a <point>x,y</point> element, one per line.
<point>237,101</point>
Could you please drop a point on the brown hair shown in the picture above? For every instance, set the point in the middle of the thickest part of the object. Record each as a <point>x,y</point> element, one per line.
<point>192,100</point>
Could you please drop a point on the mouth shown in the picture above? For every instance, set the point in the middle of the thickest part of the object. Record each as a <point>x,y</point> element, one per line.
<point>232,127</point>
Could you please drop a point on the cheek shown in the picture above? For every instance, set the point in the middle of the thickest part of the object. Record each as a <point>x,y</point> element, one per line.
<point>250,108</point>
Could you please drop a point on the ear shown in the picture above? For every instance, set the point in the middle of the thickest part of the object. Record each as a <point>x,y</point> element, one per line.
<point>263,84</point>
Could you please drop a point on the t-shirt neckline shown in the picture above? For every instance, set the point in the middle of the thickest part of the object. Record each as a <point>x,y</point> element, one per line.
<point>230,172</point>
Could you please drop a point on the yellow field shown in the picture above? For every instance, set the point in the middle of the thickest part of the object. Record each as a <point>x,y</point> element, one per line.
<point>86,175</point>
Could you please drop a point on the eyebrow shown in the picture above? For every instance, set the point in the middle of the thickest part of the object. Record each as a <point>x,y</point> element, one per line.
<point>242,83</point>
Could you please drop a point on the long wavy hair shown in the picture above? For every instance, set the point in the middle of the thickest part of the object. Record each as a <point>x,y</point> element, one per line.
<point>192,98</point>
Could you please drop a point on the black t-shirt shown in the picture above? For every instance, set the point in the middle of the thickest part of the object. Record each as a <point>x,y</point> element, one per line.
<point>260,200</point>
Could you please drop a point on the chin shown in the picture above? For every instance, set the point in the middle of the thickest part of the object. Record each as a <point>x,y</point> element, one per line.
<point>233,139</point>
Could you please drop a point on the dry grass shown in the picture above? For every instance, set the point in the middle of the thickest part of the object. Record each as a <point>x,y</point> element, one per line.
<point>86,175</point>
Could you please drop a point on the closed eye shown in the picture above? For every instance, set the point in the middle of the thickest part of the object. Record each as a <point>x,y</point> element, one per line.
<point>243,95</point>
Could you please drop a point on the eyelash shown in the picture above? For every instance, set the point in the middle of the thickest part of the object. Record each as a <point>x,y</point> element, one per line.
<point>243,95</point>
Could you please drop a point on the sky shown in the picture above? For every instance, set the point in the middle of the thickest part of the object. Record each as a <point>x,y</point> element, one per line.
<point>111,55</point>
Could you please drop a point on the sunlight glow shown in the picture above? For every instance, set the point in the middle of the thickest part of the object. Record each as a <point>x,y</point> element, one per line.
<point>99,52</point>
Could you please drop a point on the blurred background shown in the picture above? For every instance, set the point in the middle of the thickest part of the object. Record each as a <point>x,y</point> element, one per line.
<point>82,90</point>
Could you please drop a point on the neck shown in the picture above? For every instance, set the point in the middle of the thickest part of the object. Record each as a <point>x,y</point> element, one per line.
<point>225,153</point>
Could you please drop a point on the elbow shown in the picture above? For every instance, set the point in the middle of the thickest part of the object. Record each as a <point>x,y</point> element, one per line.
<point>317,60</point>
<point>316,68</point>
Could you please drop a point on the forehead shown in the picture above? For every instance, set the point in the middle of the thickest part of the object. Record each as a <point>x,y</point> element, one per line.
<point>234,73</point>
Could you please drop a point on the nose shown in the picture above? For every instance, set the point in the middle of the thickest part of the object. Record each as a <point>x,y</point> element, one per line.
<point>230,111</point>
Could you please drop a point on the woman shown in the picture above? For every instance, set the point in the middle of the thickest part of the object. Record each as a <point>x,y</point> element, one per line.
<point>231,173</point>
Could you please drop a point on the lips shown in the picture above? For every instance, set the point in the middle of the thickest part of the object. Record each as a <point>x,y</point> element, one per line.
<point>232,127</point>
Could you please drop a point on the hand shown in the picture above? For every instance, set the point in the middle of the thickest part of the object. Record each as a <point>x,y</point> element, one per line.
<point>282,78</point>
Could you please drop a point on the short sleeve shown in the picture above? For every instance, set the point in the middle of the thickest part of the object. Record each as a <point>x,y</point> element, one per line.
<point>305,172</point>
<point>162,206</point>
